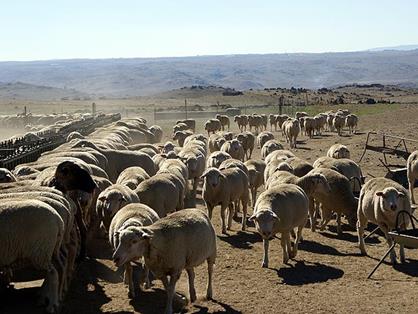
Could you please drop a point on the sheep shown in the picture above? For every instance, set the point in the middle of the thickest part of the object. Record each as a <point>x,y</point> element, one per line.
<point>380,201</point>
<point>255,121</point>
<point>191,123</point>
<point>120,160</point>
<point>7,176</point>
<point>412,173</point>
<point>269,147</point>
<point>281,209</point>
<point>351,121</point>
<point>340,200</point>
<point>234,149</point>
<point>138,215</point>
<point>159,193</point>
<point>74,135</point>
<point>132,177</point>
<point>224,188</point>
<point>279,155</point>
<point>264,121</point>
<point>320,121</point>
<point>216,158</point>
<point>346,167</point>
<point>180,127</point>
<point>212,125</point>
<point>242,122</point>
<point>180,136</point>
<point>228,136</point>
<point>194,159</point>
<point>215,142</point>
<point>182,240</point>
<point>338,151</point>
<point>291,129</point>
<point>281,119</point>
<point>309,124</point>
<point>300,166</point>
<point>300,114</point>
<point>158,133</point>
<point>263,137</point>
<point>197,137</point>
<point>256,170</point>
<point>224,121</point>
<point>338,123</point>
<point>310,183</point>
<point>233,163</point>
<point>32,232</point>
<point>169,147</point>
<point>247,140</point>
<point>330,118</point>
<point>111,200</point>
<point>273,121</point>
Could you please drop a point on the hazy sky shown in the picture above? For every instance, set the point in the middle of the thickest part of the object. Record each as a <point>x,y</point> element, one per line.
<point>56,29</point>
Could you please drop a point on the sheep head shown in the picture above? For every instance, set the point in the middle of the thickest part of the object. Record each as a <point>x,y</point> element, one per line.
<point>70,177</point>
<point>213,177</point>
<point>390,199</point>
<point>265,220</point>
<point>133,244</point>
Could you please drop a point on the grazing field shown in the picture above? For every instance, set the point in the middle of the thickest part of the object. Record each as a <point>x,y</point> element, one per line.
<point>328,275</point>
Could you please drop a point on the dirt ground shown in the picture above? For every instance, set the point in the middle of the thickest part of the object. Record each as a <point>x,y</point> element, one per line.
<point>328,275</point>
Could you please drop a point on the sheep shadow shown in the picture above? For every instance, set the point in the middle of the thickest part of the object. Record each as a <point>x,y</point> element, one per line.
<point>410,267</point>
<point>318,248</point>
<point>226,309</point>
<point>303,273</point>
<point>154,301</point>
<point>85,293</point>
<point>11,301</point>
<point>241,239</point>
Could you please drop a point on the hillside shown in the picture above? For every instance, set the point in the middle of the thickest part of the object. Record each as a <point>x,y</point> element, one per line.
<point>146,76</point>
<point>24,91</point>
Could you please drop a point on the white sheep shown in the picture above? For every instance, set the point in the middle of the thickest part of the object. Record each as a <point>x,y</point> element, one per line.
<point>213,125</point>
<point>247,140</point>
<point>412,173</point>
<point>263,137</point>
<point>132,177</point>
<point>224,119</point>
<point>256,170</point>
<point>380,202</point>
<point>269,147</point>
<point>138,215</point>
<point>182,240</point>
<point>338,151</point>
<point>281,209</point>
<point>216,158</point>
<point>351,121</point>
<point>234,149</point>
<point>291,128</point>
<point>225,187</point>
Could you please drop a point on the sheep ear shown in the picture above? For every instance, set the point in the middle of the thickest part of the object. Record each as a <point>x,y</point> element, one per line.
<point>222,175</point>
<point>379,193</point>
<point>401,194</point>
<point>204,174</point>
<point>146,234</point>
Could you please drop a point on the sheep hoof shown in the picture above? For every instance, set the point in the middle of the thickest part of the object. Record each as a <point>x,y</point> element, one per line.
<point>264,265</point>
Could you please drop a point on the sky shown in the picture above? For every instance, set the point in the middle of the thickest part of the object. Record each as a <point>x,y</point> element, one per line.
<point>56,29</point>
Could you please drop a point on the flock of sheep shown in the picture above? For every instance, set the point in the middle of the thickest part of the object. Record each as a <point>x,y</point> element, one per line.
<point>121,182</point>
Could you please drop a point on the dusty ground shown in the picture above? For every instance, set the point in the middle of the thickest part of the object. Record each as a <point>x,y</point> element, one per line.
<point>328,275</point>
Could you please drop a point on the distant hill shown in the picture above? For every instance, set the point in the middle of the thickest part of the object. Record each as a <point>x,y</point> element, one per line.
<point>146,76</point>
<point>20,91</point>
<point>398,48</point>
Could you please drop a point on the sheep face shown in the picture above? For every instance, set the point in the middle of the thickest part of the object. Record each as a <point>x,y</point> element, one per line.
<point>133,242</point>
<point>110,202</point>
<point>6,176</point>
<point>264,222</point>
<point>341,152</point>
<point>213,177</point>
<point>191,163</point>
<point>168,147</point>
<point>390,199</point>
<point>284,166</point>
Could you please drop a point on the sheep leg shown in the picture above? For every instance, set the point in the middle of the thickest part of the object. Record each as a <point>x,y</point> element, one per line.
<point>210,210</point>
<point>171,290</point>
<point>339,230</point>
<point>51,287</point>
<point>326,217</point>
<point>83,233</point>
<point>253,195</point>
<point>297,240</point>
<point>285,241</point>
<point>244,214</point>
<point>411,181</point>
<point>361,225</point>
<point>128,280</point>
<point>265,263</point>
<point>230,214</point>
<point>312,215</point>
<point>192,290</point>
<point>389,241</point>
<point>209,292</point>
<point>223,210</point>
